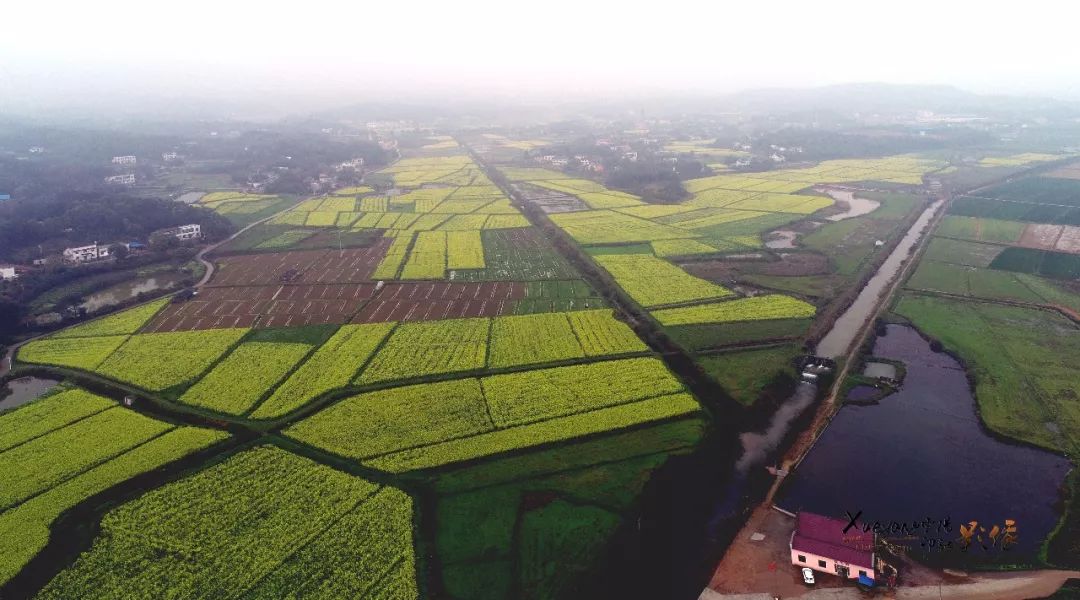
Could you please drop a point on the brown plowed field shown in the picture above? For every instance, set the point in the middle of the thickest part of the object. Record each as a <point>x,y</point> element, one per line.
<point>1039,236</point>
<point>350,265</point>
<point>441,300</point>
<point>298,305</point>
<point>264,306</point>
<point>1069,240</point>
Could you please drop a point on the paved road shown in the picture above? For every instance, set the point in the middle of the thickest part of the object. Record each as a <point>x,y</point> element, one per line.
<point>201,256</point>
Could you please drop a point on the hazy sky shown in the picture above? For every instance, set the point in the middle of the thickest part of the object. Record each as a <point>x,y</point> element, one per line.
<point>52,52</point>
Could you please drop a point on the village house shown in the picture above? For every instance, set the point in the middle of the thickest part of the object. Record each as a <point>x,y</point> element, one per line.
<point>821,544</point>
<point>128,179</point>
<point>124,160</point>
<point>183,232</point>
<point>79,254</point>
<point>8,272</point>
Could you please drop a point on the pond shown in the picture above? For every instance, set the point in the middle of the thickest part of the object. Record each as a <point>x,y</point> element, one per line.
<point>857,207</point>
<point>24,389</point>
<point>923,452</point>
<point>129,289</point>
<point>781,238</point>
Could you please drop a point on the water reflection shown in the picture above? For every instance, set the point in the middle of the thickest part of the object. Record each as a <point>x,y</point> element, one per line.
<point>923,452</point>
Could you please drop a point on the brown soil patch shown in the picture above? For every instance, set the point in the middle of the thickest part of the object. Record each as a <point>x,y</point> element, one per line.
<point>1040,236</point>
<point>790,264</point>
<point>408,301</point>
<point>350,265</point>
<point>1069,240</point>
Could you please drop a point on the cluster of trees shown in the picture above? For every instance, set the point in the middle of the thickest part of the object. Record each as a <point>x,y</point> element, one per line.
<point>29,228</point>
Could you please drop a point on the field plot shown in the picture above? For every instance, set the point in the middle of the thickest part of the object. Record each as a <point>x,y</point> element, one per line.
<point>1018,160</point>
<point>758,308</point>
<point>529,339</point>
<point>66,447</point>
<point>549,201</point>
<point>651,281</point>
<point>300,266</point>
<point>1011,210</point>
<point>961,252</point>
<point>518,255</point>
<point>429,348</point>
<point>410,428</point>
<point>43,462</point>
<point>413,301</point>
<point>157,361</point>
<point>745,375</point>
<point>1055,265</point>
<point>234,530</point>
<point>49,413</point>
<point>607,226</point>
<point>81,353</point>
<point>332,366</point>
<point>122,323</point>
<point>241,379</point>
<point>264,306</point>
<point>980,230</point>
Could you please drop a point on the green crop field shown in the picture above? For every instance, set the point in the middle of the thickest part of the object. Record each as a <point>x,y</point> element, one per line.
<point>241,379</point>
<point>601,334</point>
<point>236,528</point>
<point>157,361</point>
<point>125,322</point>
<point>528,339</point>
<point>47,414</point>
<point>333,365</point>
<point>758,308</point>
<point>430,348</point>
<point>702,336</point>
<point>43,462</point>
<point>1055,265</point>
<point>961,252</point>
<point>61,449</point>
<point>1009,210</point>
<point>651,281</point>
<point>1038,190</point>
<point>745,374</point>
<point>81,353</point>
<point>518,255</point>
<point>980,230</point>
<point>471,418</point>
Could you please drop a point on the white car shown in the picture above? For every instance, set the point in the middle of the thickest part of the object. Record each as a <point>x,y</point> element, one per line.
<point>807,576</point>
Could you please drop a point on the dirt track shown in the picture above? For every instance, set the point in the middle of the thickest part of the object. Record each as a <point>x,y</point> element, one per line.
<point>1020,585</point>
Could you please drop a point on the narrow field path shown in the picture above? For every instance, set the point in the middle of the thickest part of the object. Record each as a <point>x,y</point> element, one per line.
<point>677,359</point>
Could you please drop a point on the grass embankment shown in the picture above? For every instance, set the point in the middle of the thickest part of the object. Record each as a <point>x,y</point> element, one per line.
<point>745,375</point>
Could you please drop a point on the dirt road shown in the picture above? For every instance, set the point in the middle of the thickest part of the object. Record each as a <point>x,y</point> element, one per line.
<point>1021,585</point>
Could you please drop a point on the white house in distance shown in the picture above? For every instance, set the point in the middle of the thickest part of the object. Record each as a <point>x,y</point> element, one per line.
<point>128,179</point>
<point>821,544</point>
<point>89,253</point>
<point>7,272</point>
<point>183,233</point>
<point>124,160</point>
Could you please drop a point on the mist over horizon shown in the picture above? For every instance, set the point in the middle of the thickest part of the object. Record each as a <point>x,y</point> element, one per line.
<point>241,59</point>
